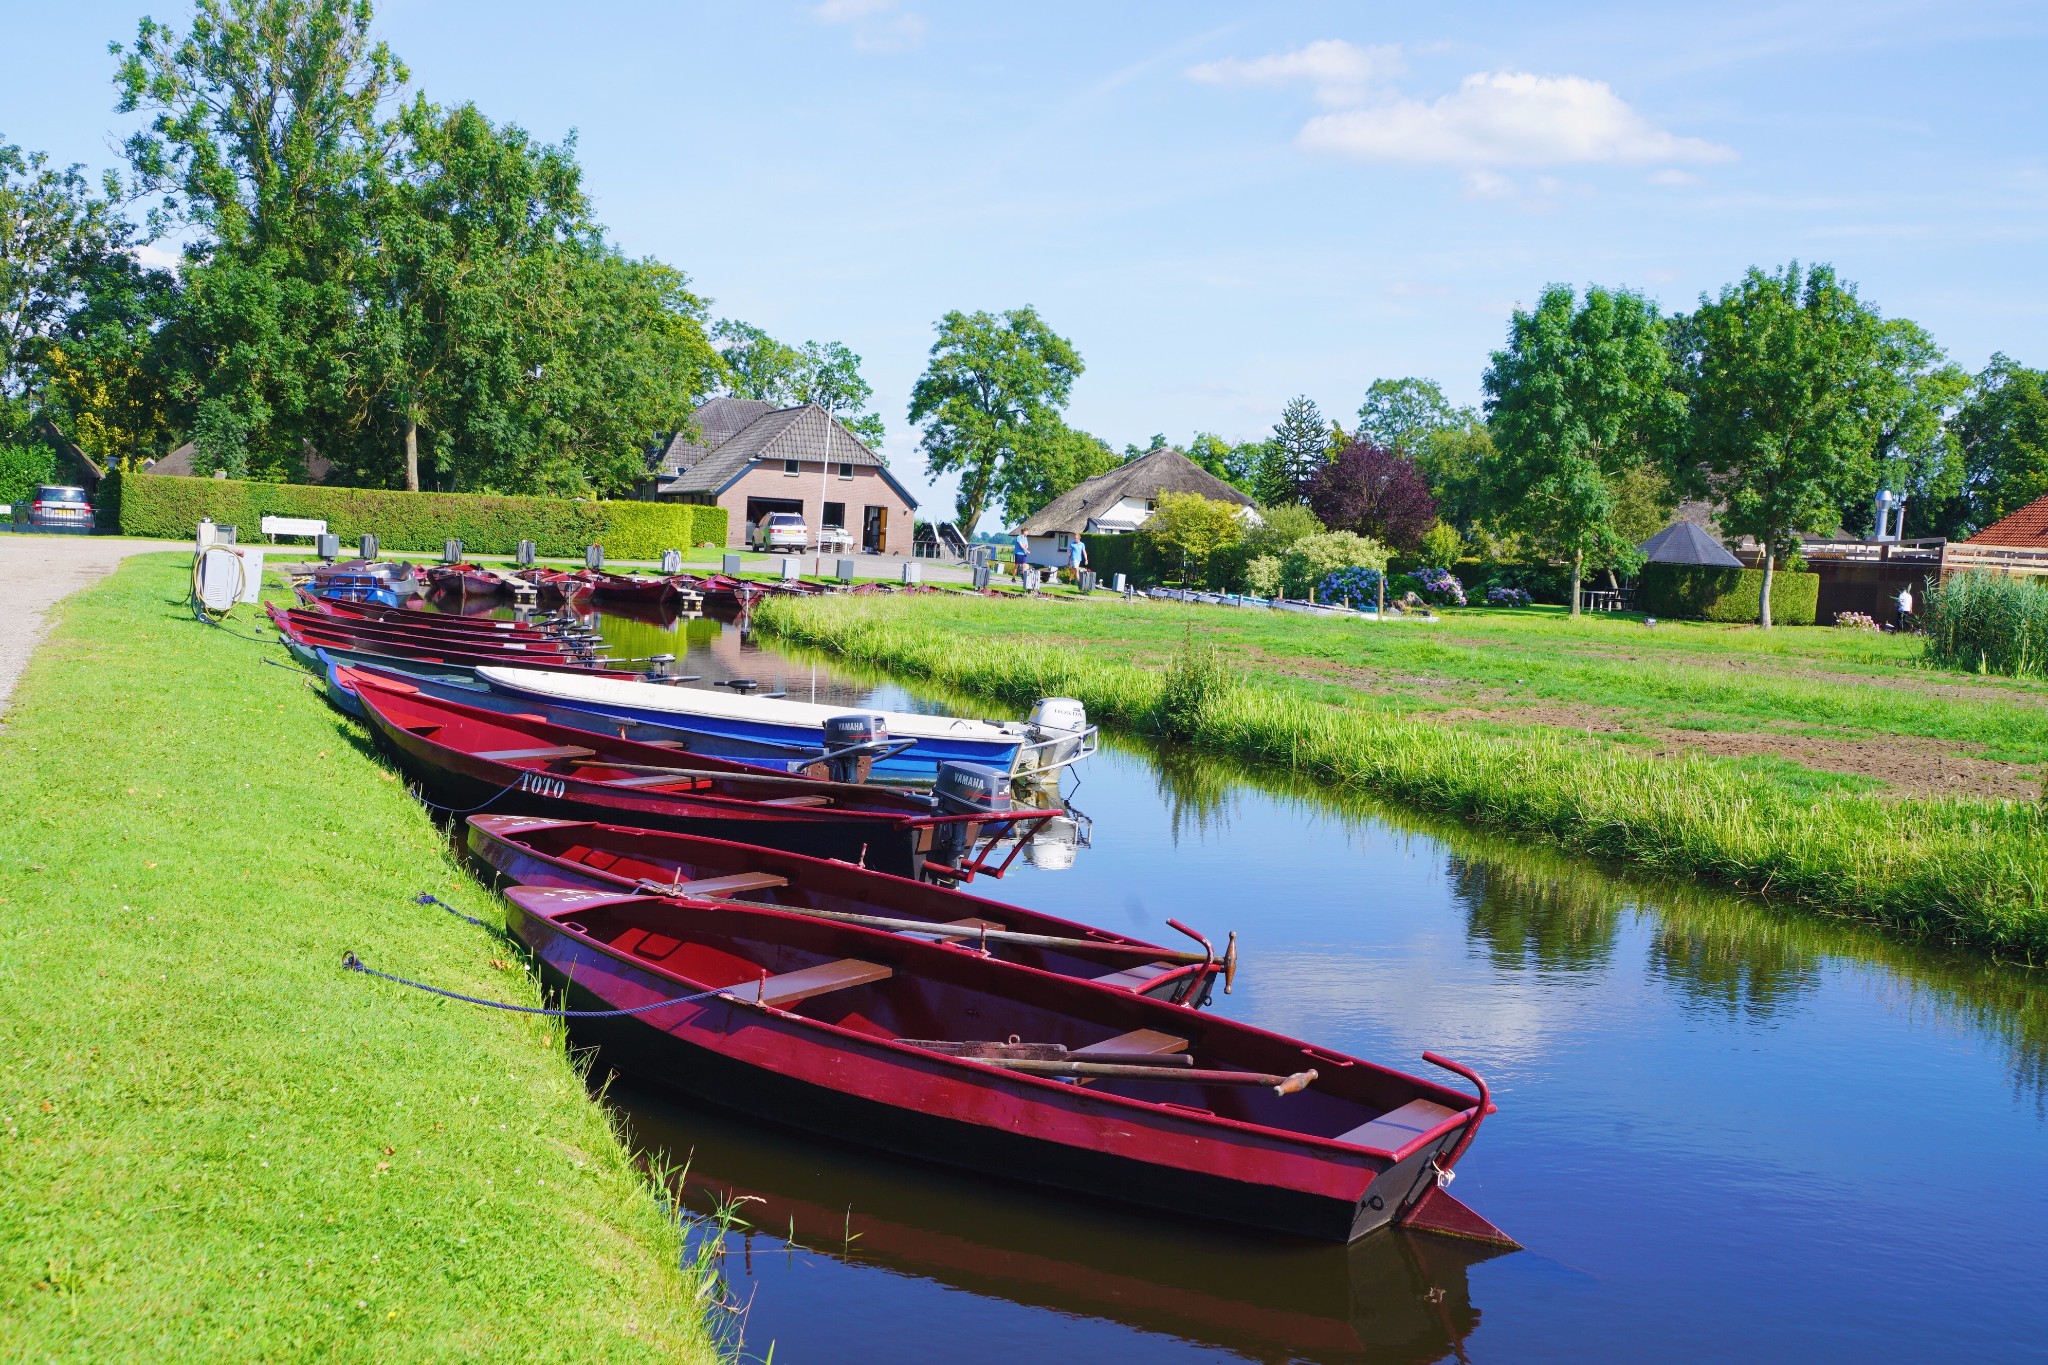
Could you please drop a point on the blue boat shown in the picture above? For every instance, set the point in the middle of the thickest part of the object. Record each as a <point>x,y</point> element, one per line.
<point>1056,736</point>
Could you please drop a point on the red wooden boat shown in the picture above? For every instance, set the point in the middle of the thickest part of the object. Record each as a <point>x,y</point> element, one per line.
<point>454,655</point>
<point>469,580</point>
<point>423,618</point>
<point>556,585</point>
<point>652,592</point>
<point>471,757</point>
<point>534,851</point>
<point>933,1051</point>
<point>520,642</point>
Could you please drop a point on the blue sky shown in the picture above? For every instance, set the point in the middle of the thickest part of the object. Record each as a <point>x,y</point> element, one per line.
<point>1225,204</point>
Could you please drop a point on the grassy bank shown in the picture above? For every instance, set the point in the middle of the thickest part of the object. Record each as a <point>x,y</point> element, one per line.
<point>1962,870</point>
<point>214,1143</point>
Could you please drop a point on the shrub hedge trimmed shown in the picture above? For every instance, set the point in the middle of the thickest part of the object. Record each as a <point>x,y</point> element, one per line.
<point>1704,593</point>
<point>168,507</point>
<point>1110,554</point>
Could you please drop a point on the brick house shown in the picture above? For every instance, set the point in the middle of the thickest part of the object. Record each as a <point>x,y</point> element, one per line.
<point>753,458</point>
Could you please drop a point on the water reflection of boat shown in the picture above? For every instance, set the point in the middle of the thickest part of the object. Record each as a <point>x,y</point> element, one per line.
<point>1391,1298</point>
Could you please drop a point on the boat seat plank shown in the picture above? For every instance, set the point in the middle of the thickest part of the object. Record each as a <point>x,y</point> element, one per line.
<point>545,751</point>
<point>1396,1128</point>
<point>792,987</point>
<point>1137,1040</point>
<point>655,780</point>
<point>973,924</point>
<point>730,885</point>
<point>798,801</point>
<point>1135,978</point>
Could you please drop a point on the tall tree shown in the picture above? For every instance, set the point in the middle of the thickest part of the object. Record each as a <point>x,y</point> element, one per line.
<point>1300,444</point>
<point>828,374</point>
<point>1402,414</point>
<point>1049,458</point>
<point>1915,390</point>
<point>77,312</point>
<point>2002,432</point>
<point>1785,378</point>
<point>1373,491</point>
<point>1454,462</point>
<point>1579,395</point>
<point>994,383</point>
<point>756,364</point>
<point>264,133</point>
<point>1236,464</point>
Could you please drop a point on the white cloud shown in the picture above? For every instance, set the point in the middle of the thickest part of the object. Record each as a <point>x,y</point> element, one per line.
<point>1507,118</point>
<point>153,257</point>
<point>1673,178</point>
<point>878,25</point>
<point>1340,73</point>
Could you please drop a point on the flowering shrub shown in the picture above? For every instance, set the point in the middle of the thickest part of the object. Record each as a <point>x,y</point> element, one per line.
<point>1506,597</point>
<point>1355,584</point>
<point>1438,586</point>
<point>1854,620</point>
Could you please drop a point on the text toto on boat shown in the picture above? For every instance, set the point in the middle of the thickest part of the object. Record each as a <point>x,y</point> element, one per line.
<point>1056,736</point>
<point>531,851</point>
<point>470,758</point>
<point>934,1051</point>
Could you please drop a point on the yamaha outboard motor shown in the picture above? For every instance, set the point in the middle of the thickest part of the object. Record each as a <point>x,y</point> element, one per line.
<point>851,744</point>
<point>965,789</point>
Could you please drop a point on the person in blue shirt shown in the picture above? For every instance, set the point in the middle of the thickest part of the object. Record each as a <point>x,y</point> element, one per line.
<point>1023,552</point>
<point>1077,557</point>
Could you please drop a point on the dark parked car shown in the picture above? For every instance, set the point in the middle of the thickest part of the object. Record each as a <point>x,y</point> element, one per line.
<point>56,506</point>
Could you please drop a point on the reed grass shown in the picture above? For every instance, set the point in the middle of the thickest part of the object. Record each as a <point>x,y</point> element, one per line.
<point>1963,871</point>
<point>1988,623</point>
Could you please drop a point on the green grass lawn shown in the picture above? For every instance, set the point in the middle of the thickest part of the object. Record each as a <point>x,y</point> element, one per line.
<point>1816,766</point>
<point>214,1142</point>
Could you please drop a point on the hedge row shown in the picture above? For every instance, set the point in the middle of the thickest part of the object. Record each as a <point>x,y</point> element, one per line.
<point>168,507</point>
<point>1702,593</point>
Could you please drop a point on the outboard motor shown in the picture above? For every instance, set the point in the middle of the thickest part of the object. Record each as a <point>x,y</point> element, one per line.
<point>1052,847</point>
<point>965,789</point>
<point>1058,730</point>
<point>851,745</point>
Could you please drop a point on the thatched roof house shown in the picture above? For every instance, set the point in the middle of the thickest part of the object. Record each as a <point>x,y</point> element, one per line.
<point>1122,499</point>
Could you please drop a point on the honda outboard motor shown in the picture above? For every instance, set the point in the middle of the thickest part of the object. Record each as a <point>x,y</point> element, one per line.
<point>1058,730</point>
<point>851,744</point>
<point>965,789</point>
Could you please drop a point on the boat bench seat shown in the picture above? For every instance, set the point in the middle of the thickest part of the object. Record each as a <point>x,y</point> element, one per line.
<point>544,751</point>
<point>1396,1128</point>
<point>792,987</point>
<point>798,801</point>
<point>1136,1041</point>
<point>730,885</point>
<point>657,780</point>
<point>1135,978</point>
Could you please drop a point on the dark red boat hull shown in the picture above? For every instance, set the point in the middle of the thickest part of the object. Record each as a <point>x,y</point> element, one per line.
<point>851,1087</point>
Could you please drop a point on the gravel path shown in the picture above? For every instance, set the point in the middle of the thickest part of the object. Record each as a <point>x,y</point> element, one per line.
<point>37,572</point>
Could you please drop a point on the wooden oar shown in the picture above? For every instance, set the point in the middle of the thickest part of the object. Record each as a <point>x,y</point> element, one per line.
<point>1043,1052</point>
<point>937,930</point>
<point>1282,1085</point>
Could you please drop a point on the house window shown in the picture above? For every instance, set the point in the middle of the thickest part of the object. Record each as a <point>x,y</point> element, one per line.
<point>846,470</point>
<point>835,515</point>
<point>789,466</point>
<point>1063,540</point>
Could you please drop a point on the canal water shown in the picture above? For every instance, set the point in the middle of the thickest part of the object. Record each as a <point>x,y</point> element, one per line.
<point>1724,1133</point>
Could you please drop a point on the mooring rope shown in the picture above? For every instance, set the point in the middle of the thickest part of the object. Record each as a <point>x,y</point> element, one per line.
<point>350,962</point>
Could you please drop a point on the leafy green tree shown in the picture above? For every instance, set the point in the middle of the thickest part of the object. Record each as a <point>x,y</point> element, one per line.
<point>1402,414</point>
<point>1186,529</point>
<point>1267,535</point>
<point>995,383</point>
<point>265,133</point>
<point>70,291</point>
<point>1579,395</point>
<point>1784,375</point>
<point>757,365</point>
<point>1049,458</point>
<point>1307,562</point>
<point>1441,546</point>
<point>1454,462</point>
<point>2001,430</point>
<point>1299,445</point>
<point>1915,390</point>
<point>828,374</point>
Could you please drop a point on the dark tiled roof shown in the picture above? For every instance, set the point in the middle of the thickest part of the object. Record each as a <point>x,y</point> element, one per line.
<point>739,431</point>
<point>178,461</point>
<point>1165,470</point>
<point>2025,529</point>
<point>1684,542</point>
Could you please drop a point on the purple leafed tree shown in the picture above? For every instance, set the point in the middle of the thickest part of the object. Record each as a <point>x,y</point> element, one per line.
<point>1375,492</point>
